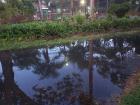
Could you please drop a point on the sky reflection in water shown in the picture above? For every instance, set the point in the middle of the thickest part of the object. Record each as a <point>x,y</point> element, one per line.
<point>70,74</point>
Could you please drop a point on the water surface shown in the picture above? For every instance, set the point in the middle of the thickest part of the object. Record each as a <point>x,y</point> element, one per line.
<point>79,73</point>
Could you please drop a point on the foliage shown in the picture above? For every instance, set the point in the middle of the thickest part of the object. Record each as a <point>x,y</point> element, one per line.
<point>11,8</point>
<point>133,98</point>
<point>6,10</point>
<point>66,27</point>
<point>18,43</point>
<point>79,19</point>
<point>119,10</point>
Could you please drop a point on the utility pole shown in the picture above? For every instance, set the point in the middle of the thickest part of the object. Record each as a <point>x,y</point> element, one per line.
<point>40,9</point>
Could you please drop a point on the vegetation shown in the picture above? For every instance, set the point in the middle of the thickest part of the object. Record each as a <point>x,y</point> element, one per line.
<point>19,43</point>
<point>66,27</point>
<point>10,9</point>
<point>131,92</point>
<point>34,34</point>
<point>133,98</point>
<point>119,10</point>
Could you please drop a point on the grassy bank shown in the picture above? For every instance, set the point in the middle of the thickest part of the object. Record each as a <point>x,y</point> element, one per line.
<point>133,98</point>
<point>18,44</point>
<point>67,27</point>
<point>131,94</point>
<point>34,34</point>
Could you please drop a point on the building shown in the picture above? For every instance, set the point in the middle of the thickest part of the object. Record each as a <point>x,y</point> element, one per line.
<point>55,9</point>
<point>41,9</point>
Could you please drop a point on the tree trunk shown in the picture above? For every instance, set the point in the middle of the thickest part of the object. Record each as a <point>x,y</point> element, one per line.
<point>92,7</point>
<point>40,9</point>
<point>72,7</point>
<point>62,5</point>
<point>11,92</point>
<point>6,63</point>
<point>46,55</point>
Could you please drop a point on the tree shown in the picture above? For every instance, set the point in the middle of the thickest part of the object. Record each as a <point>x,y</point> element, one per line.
<point>12,8</point>
<point>6,10</point>
<point>11,93</point>
<point>26,7</point>
<point>119,10</point>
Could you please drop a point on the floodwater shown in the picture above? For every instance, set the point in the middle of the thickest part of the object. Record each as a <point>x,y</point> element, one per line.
<point>79,73</point>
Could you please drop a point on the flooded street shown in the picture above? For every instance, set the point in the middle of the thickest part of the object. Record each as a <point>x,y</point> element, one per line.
<point>78,73</point>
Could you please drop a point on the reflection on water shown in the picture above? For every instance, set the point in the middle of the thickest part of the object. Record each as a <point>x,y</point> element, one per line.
<point>79,73</point>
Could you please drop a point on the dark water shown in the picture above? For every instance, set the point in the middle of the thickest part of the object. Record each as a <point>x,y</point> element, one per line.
<point>79,73</point>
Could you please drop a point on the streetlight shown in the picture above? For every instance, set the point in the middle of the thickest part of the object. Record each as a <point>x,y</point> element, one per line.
<point>83,5</point>
<point>82,2</point>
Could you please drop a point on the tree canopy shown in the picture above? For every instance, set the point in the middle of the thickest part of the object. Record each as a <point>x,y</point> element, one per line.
<point>10,8</point>
<point>119,9</point>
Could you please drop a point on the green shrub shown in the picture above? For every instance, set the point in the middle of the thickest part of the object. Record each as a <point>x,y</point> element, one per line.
<point>57,29</point>
<point>119,10</point>
<point>67,27</point>
<point>133,98</point>
<point>80,19</point>
<point>33,29</point>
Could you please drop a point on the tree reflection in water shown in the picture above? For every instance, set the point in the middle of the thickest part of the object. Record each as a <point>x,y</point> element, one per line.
<point>68,91</point>
<point>33,60</point>
<point>110,58</point>
<point>11,94</point>
<point>65,91</point>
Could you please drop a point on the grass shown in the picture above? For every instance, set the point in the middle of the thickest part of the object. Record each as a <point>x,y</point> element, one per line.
<point>12,44</point>
<point>133,98</point>
<point>131,92</point>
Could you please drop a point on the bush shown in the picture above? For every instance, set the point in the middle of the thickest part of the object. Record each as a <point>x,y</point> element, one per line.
<point>63,28</point>
<point>80,19</point>
<point>133,98</point>
<point>119,10</point>
<point>36,29</point>
<point>107,25</point>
